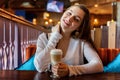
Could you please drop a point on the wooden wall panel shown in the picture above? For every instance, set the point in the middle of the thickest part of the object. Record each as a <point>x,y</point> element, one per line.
<point>104,39</point>
<point>118,37</point>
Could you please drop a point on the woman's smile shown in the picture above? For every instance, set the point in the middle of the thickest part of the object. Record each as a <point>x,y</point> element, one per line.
<point>67,23</point>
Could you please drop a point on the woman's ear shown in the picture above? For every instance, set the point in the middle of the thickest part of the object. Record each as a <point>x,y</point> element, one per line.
<point>77,33</point>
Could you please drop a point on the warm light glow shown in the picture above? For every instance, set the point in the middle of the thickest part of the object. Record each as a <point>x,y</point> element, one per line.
<point>58,22</point>
<point>112,20</point>
<point>108,23</point>
<point>27,5</point>
<point>45,15</point>
<point>50,20</point>
<point>34,21</point>
<point>76,3</point>
<point>46,23</point>
<point>96,5</point>
<point>74,0</point>
<point>96,21</point>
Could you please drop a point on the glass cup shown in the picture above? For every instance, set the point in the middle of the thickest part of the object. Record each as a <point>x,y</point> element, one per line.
<point>56,56</point>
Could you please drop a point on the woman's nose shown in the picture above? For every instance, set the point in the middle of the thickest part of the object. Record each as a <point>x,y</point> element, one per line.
<point>70,18</point>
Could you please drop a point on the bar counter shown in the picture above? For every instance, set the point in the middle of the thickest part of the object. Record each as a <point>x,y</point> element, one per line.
<point>34,75</point>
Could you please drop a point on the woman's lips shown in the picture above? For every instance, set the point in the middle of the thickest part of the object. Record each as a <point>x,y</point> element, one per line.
<point>66,22</point>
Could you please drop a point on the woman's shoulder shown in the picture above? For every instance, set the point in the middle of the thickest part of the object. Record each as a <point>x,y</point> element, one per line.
<point>80,40</point>
<point>85,42</point>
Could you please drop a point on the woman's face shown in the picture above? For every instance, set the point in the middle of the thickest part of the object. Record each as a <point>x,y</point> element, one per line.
<point>72,19</point>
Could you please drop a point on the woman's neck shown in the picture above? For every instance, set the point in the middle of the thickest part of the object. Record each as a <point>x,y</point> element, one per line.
<point>66,35</point>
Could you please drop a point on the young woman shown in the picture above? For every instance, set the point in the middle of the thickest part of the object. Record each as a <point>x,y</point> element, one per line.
<point>73,37</point>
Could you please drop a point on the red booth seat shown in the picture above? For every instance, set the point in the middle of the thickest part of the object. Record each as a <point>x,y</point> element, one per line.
<point>30,50</point>
<point>107,54</point>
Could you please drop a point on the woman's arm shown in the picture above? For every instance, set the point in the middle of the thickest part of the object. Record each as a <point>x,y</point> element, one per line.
<point>94,64</point>
<point>42,56</point>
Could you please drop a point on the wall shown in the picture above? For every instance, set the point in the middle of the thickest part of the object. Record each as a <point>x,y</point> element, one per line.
<point>54,16</point>
<point>102,19</point>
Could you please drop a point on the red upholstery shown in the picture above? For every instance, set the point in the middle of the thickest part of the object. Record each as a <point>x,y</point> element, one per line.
<point>30,50</point>
<point>107,54</point>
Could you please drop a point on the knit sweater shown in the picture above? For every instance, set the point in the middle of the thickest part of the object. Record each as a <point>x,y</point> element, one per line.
<point>73,57</point>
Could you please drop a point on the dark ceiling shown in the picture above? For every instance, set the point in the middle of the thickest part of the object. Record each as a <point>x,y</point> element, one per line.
<point>39,5</point>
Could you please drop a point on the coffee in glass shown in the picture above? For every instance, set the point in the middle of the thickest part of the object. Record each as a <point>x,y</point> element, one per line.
<point>56,56</point>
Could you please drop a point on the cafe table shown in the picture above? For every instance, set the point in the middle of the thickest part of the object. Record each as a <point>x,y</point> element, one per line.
<point>34,75</point>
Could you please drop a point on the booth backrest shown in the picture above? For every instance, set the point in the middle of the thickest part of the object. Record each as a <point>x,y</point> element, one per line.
<point>30,50</point>
<point>107,55</point>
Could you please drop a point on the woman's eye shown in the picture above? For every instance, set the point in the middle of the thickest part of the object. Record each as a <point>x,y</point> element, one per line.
<point>76,19</point>
<point>68,13</point>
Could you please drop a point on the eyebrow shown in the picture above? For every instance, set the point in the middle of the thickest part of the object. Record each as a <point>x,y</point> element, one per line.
<point>77,15</point>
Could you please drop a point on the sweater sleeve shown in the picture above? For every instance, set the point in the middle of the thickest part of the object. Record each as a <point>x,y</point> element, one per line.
<point>42,56</point>
<point>94,64</point>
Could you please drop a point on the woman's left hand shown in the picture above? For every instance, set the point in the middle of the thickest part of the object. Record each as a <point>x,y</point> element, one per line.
<point>60,69</point>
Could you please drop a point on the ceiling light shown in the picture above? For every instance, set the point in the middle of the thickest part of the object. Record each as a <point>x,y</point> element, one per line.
<point>76,3</point>
<point>96,5</point>
<point>27,5</point>
<point>74,0</point>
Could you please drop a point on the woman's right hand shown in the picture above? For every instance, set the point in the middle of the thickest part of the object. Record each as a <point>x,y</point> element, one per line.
<point>56,28</point>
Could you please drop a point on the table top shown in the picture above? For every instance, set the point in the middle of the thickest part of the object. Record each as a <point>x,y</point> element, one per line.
<point>34,75</point>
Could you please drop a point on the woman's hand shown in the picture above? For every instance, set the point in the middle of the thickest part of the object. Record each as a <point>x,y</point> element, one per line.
<point>60,70</point>
<point>56,28</point>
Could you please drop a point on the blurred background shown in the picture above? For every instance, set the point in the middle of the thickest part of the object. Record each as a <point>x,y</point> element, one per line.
<point>22,21</point>
<point>36,10</point>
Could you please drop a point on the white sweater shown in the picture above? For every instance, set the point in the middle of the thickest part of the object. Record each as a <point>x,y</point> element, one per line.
<point>72,58</point>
